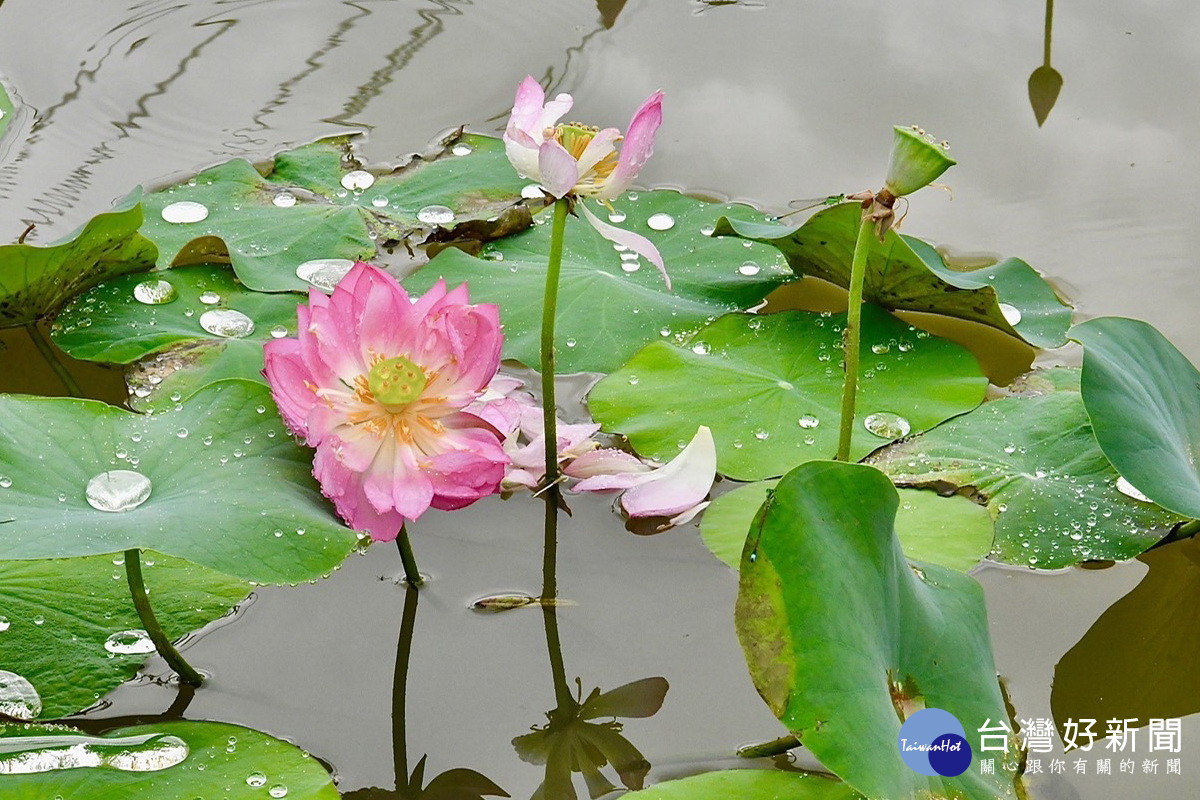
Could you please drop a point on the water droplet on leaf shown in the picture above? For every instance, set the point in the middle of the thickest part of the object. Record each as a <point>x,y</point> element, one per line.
<point>131,642</point>
<point>227,322</point>
<point>358,180</point>
<point>660,221</point>
<point>118,490</point>
<point>184,212</point>
<point>154,293</point>
<point>887,425</point>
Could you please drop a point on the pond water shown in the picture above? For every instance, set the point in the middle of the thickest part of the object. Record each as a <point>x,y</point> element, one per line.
<point>766,102</point>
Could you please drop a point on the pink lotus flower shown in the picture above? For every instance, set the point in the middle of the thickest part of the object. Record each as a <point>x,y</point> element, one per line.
<point>579,161</point>
<point>378,382</point>
<point>675,490</point>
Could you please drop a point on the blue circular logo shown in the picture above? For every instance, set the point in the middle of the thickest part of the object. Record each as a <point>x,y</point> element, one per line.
<point>933,742</point>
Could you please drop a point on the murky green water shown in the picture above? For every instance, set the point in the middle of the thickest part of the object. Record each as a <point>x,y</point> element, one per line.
<point>766,101</point>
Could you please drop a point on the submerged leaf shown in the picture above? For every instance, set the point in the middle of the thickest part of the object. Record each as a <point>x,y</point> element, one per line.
<point>36,280</point>
<point>904,273</point>
<point>610,303</point>
<point>1034,461</point>
<point>62,618</point>
<point>851,621</point>
<point>770,389</point>
<point>222,484</point>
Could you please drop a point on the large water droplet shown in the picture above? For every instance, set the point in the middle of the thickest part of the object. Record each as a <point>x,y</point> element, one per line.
<point>661,222</point>
<point>256,779</point>
<point>1128,489</point>
<point>358,180</point>
<point>462,149</point>
<point>707,230</point>
<point>887,425</point>
<point>277,791</point>
<point>118,490</point>
<point>284,200</point>
<point>436,215</point>
<point>4,624</point>
<point>616,216</point>
<point>154,293</point>
<point>18,698</point>
<point>185,211</point>
<point>1012,314</point>
<point>749,268</point>
<point>324,273</point>
<point>809,421</point>
<point>24,755</point>
<point>279,332</point>
<point>380,202</point>
<point>131,642</point>
<point>210,298</point>
<point>532,192</point>
<point>227,322</point>
<point>700,349</point>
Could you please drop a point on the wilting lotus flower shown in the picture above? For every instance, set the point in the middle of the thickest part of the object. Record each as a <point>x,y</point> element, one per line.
<point>580,161</point>
<point>378,383</point>
<point>675,490</point>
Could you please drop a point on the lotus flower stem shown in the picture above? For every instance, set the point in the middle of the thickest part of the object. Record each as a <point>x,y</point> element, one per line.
<point>51,357</point>
<point>137,589</point>
<point>400,688</point>
<point>549,309</point>
<point>774,747</point>
<point>853,334</point>
<point>412,575</point>
<point>562,690</point>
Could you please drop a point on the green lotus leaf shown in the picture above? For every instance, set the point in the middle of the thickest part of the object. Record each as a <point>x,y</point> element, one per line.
<point>951,531</point>
<point>904,273</point>
<point>1143,398</point>
<point>60,613</point>
<point>748,784</point>
<point>605,313</point>
<point>1035,462</point>
<point>845,639</point>
<point>770,389</point>
<point>301,211</point>
<point>36,280</point>
<point>218,760</point>
<point>229,488</point>
<point>111,325</point>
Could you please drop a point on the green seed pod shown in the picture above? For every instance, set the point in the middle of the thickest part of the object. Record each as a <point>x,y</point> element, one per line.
<point>917,161</point>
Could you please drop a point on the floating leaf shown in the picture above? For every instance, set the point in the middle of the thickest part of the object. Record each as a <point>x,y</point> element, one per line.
<point>770,389</point>
<point>610,303</point>
<point>110,324</point>
<point>307,207</point>
<point>748,784</point>
<point>59,614</point>
<point>1139,660</point>
<point>1034,461</point>
<point>228,488</point>
<point>905,273</point>
<point>951,531</point>
<point>1143,398</point>
<point>226,761</point>
<point>34,281</point>
<point>843,637</point>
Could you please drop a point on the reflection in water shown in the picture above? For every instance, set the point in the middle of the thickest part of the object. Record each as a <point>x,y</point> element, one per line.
<point>573,740</point>
<point>398,58</point>
<point>1141,657</point>
<point>59,199</point>
<point>453,784</point>
<point>1045,82</point>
